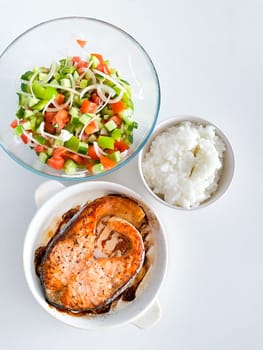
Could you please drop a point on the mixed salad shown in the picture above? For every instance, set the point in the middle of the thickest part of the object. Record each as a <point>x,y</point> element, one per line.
<point>77,114</point>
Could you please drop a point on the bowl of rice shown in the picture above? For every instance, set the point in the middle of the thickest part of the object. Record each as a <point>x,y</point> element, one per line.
<point>188,163</point>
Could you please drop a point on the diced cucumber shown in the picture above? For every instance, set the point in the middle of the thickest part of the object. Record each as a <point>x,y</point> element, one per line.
<point>83,148</point>
<point>94,61</point>
<point>72,143</point>
<point>25,87</point>
<point>40,105</point>
<point>54,82</point>
<point>106,142</point>
<point>92,138</point>
<point>20,113</point>
<point>43,157</point>
<point>101,125</point>
<point>33,121</point>
<point>126,114</point>
<point>97,169</point>
<point>32,101</point>
<point>39,91</point>
<point>42,76</point>
<point>77,101</point>
<point>74,111</point>
<point>126,98</point>
<point>58,142</point>
<point>68,70</point>
<point>50,92</point>
<point>129,139</point>
<point>27,75</point>
<point>40,139</point>
<point>76,75</point>
<point>27,125</point>
<point>130,126</point>
<point>104,132</point>
<point>85,118</point>
<point>57,76</point>
<point>83,83</point>
<point>107,111</point>
<point>63,61</point>
<point>116,134</point>
<point>45,93</point>
<point>75,120</point>
<point>28,113</point>
<point>110,125</point>
<point>19,130</point>
<point>22,99</point>
<point>130,104</point>
<point>116,156</point>
<point>65,82</point>
<point>50,151</point>
<point>78,128</point>
<point>70,167</point>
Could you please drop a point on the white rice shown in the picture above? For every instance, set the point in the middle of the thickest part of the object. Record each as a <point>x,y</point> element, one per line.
<point>184,164</point>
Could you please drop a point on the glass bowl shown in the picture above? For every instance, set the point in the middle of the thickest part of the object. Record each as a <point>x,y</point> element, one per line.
<point>55,39</point>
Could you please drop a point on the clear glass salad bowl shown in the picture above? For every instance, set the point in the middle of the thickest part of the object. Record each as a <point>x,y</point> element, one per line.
<point>56,39</point>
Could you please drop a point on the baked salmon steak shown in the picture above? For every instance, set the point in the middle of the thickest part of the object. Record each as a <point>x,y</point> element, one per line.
<point>95,256</point>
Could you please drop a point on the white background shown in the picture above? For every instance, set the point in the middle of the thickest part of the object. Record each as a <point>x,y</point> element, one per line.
<point>209,57</point>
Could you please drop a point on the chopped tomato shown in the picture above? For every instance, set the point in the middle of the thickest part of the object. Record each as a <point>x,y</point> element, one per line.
<point>82,43</point>
<point>50,128</point>
<point>56,163</point>
<point>24,138</point>
<point>117,107</point>
<point>107,163</point>
<point>95,98</point>
<point>89,166</point>
<point>117,120</point>
<point>49,117</point>
<point>39,148</point>
<point>88,107</point>
<point>76,59</point>
<point>81,65</point>
<point>60,99</point>
<point>61,118</point>
<point>92,153</point>
<point>99,57</point>
<point>77,159</point>
<point>14,123</point>
<point>103,67</point>
<point>92,127</point>
<point>59,152</point>
<point>121,146</point>
<point>106,69</point>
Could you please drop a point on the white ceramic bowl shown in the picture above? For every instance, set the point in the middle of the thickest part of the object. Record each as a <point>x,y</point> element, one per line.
<point>228,161</point>
<point>144,311</point>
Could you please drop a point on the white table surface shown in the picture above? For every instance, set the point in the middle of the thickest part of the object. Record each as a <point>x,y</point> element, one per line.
<point>209,57</point>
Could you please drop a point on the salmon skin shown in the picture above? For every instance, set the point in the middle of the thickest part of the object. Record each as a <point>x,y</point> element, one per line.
<point>84,269</point>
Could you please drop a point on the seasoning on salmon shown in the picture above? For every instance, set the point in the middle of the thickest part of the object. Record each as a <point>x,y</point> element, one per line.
<point>95,257</point>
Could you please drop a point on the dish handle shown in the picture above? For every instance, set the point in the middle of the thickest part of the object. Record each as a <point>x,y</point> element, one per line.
<point>150,317</point>
<point>46,190</point>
